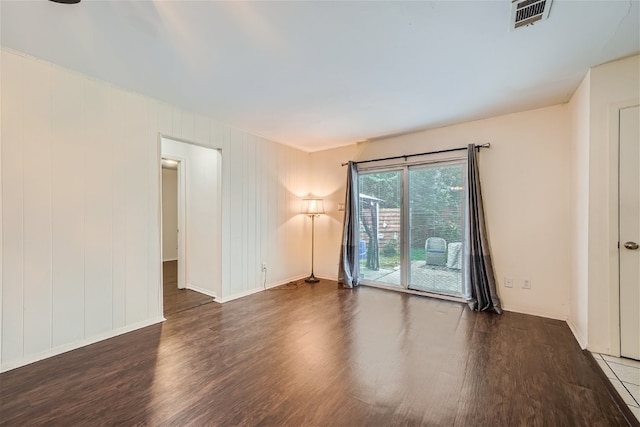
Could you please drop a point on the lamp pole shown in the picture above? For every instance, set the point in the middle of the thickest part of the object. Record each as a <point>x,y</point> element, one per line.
<point>312,206</point>
<point>312,278</point>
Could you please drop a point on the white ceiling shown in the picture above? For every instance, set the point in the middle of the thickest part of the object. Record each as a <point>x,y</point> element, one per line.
<point>321,74</point>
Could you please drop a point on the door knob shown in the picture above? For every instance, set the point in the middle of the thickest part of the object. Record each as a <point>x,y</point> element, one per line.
<point>631,245</point>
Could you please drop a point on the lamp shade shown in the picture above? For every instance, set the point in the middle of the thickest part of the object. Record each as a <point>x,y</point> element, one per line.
<point>312,206</point>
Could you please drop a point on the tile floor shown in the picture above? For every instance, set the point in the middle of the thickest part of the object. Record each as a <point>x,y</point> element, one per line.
<point>624,374</point>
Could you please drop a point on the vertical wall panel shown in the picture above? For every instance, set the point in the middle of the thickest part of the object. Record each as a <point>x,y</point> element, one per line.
<point>136,171</point>
<point>272,212</point>
<point>296,189</point>
<point>36,144</point>
<point>282,208</point>
<point>219,136</point>
<point>201,131</point>
<point>235,207</point>
<point>253,264</point>
<point>188,126</point>
<point>165,119</point>
<point>254,213</point>
<point>217,260</point>
<point>263,229</point>
<point>154,290</point>
<point>164,127</point>
<point>304,164</point>
<point>98,198</point>
<point>68,172</point>
<point>242,212</point>
<point>286,205</point>
<point>176,116</point>
<point>1,209</point>
<point>118,146</point>
<point>293,216</point>
<point>12,208</point>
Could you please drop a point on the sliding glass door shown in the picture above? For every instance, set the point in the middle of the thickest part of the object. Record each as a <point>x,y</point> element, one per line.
<point>436,201</point>
<point>411,227</point>
<point>380,214</point>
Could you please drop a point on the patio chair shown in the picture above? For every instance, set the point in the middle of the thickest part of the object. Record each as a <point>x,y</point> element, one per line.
<point>435,249</point>
<point>454,255</point>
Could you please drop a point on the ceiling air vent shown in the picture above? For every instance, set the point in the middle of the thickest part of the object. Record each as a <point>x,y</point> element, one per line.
<point>526,12</point>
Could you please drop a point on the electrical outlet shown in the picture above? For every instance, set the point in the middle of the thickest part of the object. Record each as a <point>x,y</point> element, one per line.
<point>526,284</point>
<point>264,266</point>
<point>508,282</point>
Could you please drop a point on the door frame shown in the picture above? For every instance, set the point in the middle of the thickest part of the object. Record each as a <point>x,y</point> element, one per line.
<point>182,226</point>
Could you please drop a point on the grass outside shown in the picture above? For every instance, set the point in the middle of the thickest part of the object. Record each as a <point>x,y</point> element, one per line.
<point>392,261</point>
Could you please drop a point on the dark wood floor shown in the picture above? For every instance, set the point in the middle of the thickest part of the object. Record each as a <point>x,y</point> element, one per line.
<point>177,300</point>
<point>320,355</point>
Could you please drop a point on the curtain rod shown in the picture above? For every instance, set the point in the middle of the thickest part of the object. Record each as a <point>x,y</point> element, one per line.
<point>478,147</point>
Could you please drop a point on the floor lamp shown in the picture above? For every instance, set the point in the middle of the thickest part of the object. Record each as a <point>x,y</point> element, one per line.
<point>313,207</point>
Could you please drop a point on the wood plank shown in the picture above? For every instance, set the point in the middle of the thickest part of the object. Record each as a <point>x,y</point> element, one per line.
<point>177,300</point>
<point>320,355</point>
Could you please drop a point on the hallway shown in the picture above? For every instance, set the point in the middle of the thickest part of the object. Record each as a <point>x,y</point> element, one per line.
<point>176,300</point>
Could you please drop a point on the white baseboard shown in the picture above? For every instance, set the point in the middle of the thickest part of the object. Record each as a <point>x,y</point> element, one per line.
<point>536,312</point>
<point>326,277</point>
<point>581,340</point>
<point>260,289</point>
<point>201,290</point>
<point>169,259</point>
<point>239,295</point>
<point>284,282</point>
<point>78,344</point>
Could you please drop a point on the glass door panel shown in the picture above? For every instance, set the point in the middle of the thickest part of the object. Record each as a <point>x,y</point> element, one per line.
<point>380,217</point>
<point>436,221</point>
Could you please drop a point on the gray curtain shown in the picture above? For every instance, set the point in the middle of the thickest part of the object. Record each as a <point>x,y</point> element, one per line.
<point>348,270</point>
<point>479,279</point>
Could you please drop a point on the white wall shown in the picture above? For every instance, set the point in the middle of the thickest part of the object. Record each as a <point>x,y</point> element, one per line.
<point>579,108</point>
<point>200,170</point>
<point>169,214</point>
<point>525,178</point>
<point>613,85</point>
<point>81,210</point>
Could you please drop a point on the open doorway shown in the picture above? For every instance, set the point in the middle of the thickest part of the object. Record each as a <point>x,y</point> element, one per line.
<point>191,235</point>
<point>175,297</point>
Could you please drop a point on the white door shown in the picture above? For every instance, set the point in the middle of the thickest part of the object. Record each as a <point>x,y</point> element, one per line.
<point>630,232</point>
